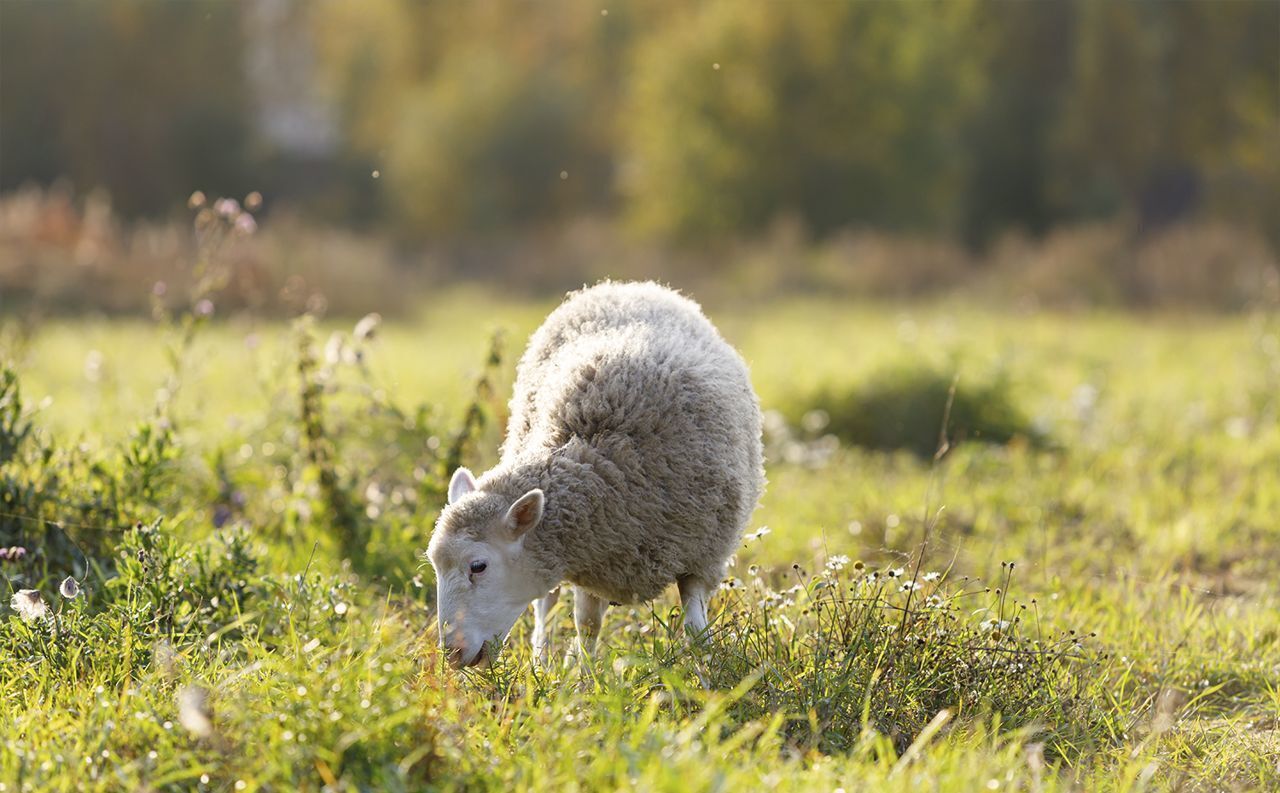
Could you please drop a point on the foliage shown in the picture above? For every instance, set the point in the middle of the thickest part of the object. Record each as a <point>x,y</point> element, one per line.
<point>906,407</point>
<point>236,639</point>
<point>959,118</point>
<point>737,117</point>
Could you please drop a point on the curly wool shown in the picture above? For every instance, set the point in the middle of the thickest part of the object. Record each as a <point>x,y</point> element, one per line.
<point>639,423</point>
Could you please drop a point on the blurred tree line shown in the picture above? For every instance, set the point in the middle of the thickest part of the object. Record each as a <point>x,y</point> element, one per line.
<point>687,121</point>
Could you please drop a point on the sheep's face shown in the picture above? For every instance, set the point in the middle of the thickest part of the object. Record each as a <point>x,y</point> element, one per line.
<point>483,579</point>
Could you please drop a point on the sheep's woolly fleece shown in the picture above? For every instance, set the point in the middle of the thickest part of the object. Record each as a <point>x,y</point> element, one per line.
<point>639,423</point>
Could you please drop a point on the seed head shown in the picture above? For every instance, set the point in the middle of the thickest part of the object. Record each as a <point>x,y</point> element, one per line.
<point>70,588</point>
<point>193,710</point>
<point>367,328</point>
<point>29,605</point>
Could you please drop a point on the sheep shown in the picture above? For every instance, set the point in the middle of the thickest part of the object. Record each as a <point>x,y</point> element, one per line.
<point>632,460</point>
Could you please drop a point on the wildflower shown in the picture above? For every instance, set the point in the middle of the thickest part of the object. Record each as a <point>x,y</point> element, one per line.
<point>911,586</point>
<point>931,576</point>
<point>12,554</point>
<point>253,201</point>
<point>196,200</point>
<point>758,533</point>
<point>29,605</point>
<point>245,224</point>
<point>69,589</point>
<point>193,710</point>
<point>996,625</point>
<point>837,562</point>
<point>333,349</point>
<point>367,327</point>
<point>204,307</point>
<point>227,207</point>
<point>895,572</point>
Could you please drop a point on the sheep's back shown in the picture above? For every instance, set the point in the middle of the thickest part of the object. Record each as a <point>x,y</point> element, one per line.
<point>638,387</point>
<point>608,311</point>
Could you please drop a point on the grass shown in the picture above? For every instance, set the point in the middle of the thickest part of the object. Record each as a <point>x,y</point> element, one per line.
<point>1095,614</point>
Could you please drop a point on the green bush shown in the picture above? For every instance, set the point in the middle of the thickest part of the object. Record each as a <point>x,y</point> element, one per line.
<point>904,408</point>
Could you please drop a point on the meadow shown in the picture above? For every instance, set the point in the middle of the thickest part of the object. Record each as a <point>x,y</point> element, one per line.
<point>1074,590</point>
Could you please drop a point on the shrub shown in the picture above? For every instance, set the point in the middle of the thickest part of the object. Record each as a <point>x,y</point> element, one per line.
<point>904,408</point>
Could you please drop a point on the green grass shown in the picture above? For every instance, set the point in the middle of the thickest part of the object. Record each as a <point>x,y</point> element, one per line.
<point>1133,643</point>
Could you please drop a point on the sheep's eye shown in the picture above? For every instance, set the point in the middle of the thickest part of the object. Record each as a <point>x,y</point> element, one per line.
<point>478,567</point>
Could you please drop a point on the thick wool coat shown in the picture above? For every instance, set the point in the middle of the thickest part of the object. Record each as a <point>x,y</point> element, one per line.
<point>639,423</point>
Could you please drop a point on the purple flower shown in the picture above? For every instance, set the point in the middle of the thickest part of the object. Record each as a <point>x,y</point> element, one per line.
<point>227,207</point>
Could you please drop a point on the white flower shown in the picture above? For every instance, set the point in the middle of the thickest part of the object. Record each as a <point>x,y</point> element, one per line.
<point>895,572</point>
<point>69,588</point>
<point>333,349</point>
<point>837,562</point>
<point>988,625</point>
<point>758,533</point>
<point>931,576</point>
<point>366,328</point>
<point>193,710</point>
<point>29,605</point>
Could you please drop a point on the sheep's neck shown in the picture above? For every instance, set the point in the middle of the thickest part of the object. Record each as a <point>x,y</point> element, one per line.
<point>573,487</point>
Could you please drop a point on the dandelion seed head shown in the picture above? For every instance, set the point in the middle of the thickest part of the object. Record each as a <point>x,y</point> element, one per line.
<point>29,605</point>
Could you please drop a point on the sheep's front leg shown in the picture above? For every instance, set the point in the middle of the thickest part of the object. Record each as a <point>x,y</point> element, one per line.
<point>694,595</point>
<point>541,627</point>
<point>588,614</point>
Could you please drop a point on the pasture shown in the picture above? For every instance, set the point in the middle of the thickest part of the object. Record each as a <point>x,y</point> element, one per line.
<point>1087,603</point>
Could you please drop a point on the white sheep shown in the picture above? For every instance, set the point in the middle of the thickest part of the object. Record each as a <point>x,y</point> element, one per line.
<point>632,460</point>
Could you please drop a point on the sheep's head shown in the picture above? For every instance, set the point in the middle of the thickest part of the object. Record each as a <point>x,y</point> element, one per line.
<point>484,580</point>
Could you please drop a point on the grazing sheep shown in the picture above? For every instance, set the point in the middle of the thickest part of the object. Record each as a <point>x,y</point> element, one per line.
<point>632,460</point>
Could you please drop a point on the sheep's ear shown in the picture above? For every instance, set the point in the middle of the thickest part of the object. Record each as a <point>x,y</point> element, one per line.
<point>525,513</point>
<point>461,484</point>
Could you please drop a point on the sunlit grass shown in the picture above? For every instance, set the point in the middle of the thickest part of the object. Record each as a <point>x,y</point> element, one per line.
<point>1145,529</point>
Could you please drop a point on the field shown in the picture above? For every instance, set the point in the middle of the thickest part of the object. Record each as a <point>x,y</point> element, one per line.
<point>1079,594</point>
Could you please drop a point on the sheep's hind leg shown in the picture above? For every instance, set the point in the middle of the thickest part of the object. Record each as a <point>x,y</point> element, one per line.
<point>588,615</point>
<point>694,595</point>
<point>541,627</point>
